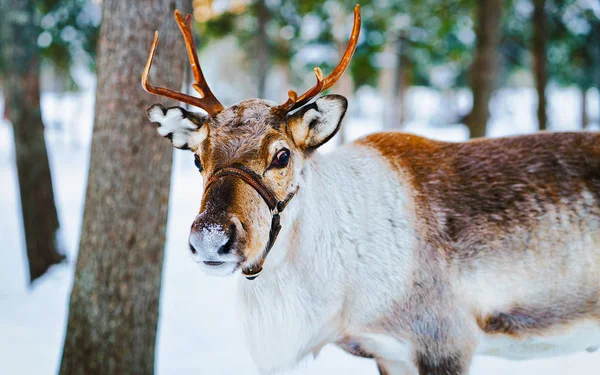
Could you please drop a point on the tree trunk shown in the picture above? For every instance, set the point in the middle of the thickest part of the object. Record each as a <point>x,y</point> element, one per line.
<point>21,65</point>
<point>344,87</point>
<point>263,61</point>
<point>584,117</point>
<point>539,60</point>
<point>113,311</point>
<point>400,80</point>
<point>484,68</point>
<point>597,43</point>
<point>387,84</point>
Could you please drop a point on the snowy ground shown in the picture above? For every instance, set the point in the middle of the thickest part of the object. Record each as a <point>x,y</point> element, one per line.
<point>198,332</point>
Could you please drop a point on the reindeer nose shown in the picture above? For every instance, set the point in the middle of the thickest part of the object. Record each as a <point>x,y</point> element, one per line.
<point>231,232</point>
<point>213,240</point>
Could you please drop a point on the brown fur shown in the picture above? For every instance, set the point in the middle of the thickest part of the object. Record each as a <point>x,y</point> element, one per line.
<point>525,320</point>
<point>503,217</point>
<point>469,191</point>
<point>243,134</point>
<point>493,214</point>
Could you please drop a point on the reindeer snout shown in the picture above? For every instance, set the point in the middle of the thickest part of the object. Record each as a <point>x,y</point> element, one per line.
<point>209,237</point>
<point>215,242</point>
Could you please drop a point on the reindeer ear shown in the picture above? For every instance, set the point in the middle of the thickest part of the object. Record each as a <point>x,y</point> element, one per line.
<point>316,123</point>
<point>186,130</point>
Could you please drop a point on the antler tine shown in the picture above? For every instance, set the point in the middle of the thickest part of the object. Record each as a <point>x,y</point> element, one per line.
<point>208,101</point>
<point>162,91</point>
<point>185,25</point>
<point>295,101</point>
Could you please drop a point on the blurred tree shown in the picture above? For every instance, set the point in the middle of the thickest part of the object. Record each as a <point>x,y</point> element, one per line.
<point>279,31</point>
<point>68,36</point>
<point>401,79</point>
<point>66,33</point>
<point>394,80</point>
<point>20,68</point>
<point>538,51</point>
<point>430,42</point>
<point>573,46</point>
<point>427,42</point>
<point>249,23</point>
<point>263,61</point>
<point>436,42</point>
<point>596,43</point>
<point>53,33</point>
<point>517,34</point>
<point>113,311</point>
<point>484,69</point>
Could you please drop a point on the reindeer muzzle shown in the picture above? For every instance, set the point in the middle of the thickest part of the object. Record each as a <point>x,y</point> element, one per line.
<point>275,206</point>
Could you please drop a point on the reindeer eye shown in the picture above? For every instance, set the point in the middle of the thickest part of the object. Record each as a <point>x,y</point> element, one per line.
<point>197,162</point>
<point>281,159</point>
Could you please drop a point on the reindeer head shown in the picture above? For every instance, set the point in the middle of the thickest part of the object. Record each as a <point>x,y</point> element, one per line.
<point>250,155</point>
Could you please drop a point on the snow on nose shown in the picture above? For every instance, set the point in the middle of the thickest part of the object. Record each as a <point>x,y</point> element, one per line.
<point>206,241</point>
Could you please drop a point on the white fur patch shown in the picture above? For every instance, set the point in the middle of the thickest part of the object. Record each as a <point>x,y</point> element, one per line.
<point>182,130</point>
<point>386,346</point>
<point>322,280</point>
<point>332,111</point>
<point>208,241</point>
<point>321,123</point>
<point>577,337</point>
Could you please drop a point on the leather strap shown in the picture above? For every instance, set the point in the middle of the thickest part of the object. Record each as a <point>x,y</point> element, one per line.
<point>275,206</point>
<point>248,177</point>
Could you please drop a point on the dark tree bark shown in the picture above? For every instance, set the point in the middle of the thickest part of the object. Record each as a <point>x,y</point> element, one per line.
<point>597,59</point>
<point>345,86</point>
<point>538,51</point>
<point>21,82</point>
<point>584,116</point>
<point>484,68</point>
<point>400,80</point>
<point>263,61</point>
<point>113,311</point>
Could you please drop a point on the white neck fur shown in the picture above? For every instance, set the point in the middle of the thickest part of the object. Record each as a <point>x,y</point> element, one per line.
<point>300,301</point>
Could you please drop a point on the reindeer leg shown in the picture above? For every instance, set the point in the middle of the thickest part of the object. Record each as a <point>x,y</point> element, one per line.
<point>432,364</point>
<point>382,370</point>
<point>387,367</point>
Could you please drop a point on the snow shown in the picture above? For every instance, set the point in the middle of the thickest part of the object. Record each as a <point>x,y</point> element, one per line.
<point>198,331</point>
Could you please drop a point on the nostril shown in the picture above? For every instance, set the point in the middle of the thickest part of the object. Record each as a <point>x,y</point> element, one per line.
<point>232,236</point>
<point>193,250</point>
<point>232,229</point>
<point>225,248</point>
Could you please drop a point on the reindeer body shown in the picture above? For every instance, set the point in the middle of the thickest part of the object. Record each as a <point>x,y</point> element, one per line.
<point>417,253</point>
<point>422,254</point>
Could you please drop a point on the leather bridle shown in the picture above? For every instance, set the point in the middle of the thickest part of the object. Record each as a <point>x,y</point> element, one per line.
<point>275,206</point>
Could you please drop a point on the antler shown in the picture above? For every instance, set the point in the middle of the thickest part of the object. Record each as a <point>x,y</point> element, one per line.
<point>294,101</point>
<point>207,101</point>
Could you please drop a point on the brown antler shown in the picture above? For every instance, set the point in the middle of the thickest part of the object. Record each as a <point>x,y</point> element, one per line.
<point>207,101</point>
<point>294,101</point>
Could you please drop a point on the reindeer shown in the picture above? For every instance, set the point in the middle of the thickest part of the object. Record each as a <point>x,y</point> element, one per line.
<point>417,253</point>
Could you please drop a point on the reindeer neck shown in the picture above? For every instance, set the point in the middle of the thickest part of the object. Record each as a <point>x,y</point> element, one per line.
<point>315,218</point>
<point>336,233</point>
<point>305,262</point>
